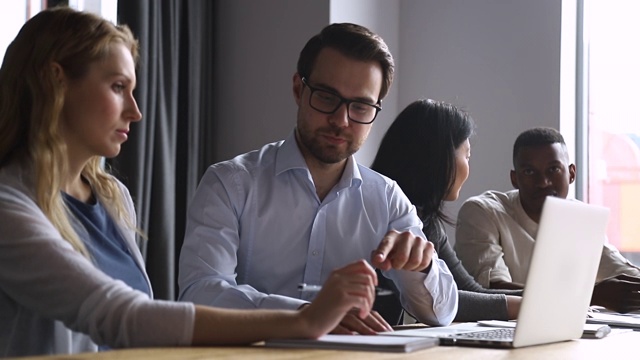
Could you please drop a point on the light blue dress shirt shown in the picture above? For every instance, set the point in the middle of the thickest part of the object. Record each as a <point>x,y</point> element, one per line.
<point>256,229</point>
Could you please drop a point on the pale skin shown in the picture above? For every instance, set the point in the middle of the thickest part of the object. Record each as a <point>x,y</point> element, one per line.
<point>97,113</point>
<point>326,142</point>
<point>98,110</point>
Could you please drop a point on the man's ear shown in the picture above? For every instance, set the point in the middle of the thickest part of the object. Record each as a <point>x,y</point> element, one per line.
<point>298,86</point>
<point>572,173</point>
<point>514,179</point>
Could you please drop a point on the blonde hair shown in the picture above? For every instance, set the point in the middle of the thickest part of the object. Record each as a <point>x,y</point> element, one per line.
<point>31,102</point>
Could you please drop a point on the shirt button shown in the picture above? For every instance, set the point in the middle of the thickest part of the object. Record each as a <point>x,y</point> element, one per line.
<point>315,252</point>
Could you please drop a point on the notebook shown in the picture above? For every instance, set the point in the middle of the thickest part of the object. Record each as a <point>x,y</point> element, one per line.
<point>358,342</point>
<point>560,280</point>
<point>613,319</point>
<point>569,242</point>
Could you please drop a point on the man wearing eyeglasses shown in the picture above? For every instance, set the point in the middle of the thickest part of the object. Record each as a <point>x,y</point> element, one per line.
<point>291,212</point>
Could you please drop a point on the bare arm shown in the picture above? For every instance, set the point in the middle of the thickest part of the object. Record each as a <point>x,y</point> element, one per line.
<point>621,293</point>
<point>505,285</point>
<point>513,306</point>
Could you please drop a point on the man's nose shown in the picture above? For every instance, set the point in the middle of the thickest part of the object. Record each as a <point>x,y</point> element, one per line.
<point>543,181</point>
<point>340,117</point>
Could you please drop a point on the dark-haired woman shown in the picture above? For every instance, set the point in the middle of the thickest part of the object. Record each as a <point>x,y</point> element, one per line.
<point>426,150</point>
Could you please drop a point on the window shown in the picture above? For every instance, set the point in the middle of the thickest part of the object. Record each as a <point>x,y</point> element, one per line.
<point>16,12</point>
<point>612,85</point>
<point>13,15</point>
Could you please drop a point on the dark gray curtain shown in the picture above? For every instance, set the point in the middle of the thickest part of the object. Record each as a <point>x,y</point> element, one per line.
<point>165,156</point>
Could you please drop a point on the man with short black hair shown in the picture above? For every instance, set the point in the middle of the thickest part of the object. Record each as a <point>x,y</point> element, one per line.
<point>496,231</point>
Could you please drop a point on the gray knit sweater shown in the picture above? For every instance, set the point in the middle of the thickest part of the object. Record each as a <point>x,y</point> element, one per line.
<point>475,302</point>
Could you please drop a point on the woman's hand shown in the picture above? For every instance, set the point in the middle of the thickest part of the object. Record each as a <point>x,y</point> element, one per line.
<point>347,288</point>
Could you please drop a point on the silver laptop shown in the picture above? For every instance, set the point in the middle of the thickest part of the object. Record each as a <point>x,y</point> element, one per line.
<point>560,280</point>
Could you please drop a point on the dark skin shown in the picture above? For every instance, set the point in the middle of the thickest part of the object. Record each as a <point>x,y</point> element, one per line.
<point>505,285</point>
<point>545,170</point>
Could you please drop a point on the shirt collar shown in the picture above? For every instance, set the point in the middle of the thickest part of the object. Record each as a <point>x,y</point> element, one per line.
<point>351,175</point>
<point>527,223</point>
<point>290,157</point>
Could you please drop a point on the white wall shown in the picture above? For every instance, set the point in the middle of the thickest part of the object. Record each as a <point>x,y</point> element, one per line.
<point>259,46</point>
<point>381,17</point>
<point>499,59</point>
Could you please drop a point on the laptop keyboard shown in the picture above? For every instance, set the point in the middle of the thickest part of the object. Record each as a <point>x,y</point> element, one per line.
<point>496,334</point>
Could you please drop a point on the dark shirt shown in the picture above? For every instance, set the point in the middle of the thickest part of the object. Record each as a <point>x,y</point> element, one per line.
<point>105,243</point>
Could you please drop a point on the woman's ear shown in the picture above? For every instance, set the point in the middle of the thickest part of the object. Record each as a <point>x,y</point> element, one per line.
<point>58,73</point>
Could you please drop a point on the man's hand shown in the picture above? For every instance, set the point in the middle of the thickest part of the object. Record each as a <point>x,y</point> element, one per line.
<point>403,251</point>
<point>621,293</point>
<point>369,325</point>
<point>505,285</point>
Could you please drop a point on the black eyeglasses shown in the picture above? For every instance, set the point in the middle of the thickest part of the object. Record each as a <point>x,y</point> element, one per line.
<point>328,102</point>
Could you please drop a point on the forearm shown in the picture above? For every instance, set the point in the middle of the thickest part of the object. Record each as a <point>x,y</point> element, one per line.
<point>475,306</point>
<point>208,276</point>
<point>220,293</point>
<point>506,285</point>
<point>215,326</point>
<point>350,287</point>
<point>513,306</point>
<point>473,286</point>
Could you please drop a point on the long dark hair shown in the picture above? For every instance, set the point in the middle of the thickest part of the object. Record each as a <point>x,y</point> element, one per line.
<point>418,152</point>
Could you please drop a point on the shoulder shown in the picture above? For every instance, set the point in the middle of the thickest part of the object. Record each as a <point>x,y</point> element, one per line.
<point>124,193</point>
<point>16,183</point>
<point>380,191</point>
<point>491,200</point>
<point>248,162</point>
<point>20,215</point>
<point>373,178</point>
<point>489,205</point>
<point>436,234</point>
<point>376,185</point>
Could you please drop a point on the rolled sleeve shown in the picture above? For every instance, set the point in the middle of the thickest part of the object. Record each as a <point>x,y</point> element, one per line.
<point>613,264</point>
<point>431,298</point>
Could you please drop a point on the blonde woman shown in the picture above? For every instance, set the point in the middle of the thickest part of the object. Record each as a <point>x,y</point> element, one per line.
<point>71,276</point>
